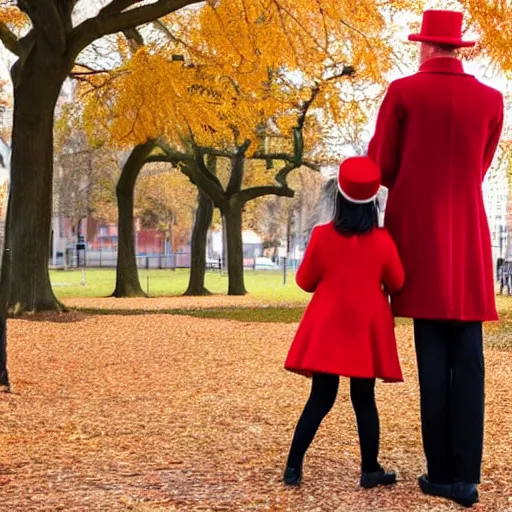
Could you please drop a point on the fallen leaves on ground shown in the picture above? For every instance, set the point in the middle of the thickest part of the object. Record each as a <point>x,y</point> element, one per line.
<point>179,302</point>
<point>159,412</point>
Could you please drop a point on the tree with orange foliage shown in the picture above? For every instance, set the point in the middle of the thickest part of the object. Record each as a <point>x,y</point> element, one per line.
<point>83,172</point>
<point>166,200</point>
<point>492,20</point>
<point>52,38</point>
<point>249,82</point>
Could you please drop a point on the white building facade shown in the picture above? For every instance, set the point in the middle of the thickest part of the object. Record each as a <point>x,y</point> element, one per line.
<point>496,198</point>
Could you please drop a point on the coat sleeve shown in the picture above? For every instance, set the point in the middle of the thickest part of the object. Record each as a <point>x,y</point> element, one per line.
<point>309,273</point>
<point>385,146</point>
<point>494,138</point>
<point>393,275</point>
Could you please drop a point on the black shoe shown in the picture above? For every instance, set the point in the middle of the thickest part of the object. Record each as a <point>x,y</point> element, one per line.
<point>460,492</point>
<point>464,494</point>
<point>292,476</point>
<point>432,489</point>
<point>380,477</point>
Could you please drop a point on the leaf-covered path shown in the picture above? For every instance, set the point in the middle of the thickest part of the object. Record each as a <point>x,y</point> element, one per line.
<point>162,412</point>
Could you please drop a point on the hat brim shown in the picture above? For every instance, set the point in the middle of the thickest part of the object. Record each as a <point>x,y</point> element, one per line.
<point>448,41</point>
<point>356,201</point>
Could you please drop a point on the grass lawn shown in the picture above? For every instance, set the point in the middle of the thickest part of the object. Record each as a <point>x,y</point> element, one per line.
<point>269,300</point>
<point>263,285</point>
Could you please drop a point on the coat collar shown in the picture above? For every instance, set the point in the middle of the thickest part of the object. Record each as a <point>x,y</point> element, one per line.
<point>446,65</point>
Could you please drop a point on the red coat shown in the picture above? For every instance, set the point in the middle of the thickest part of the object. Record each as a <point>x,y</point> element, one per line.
<point>436,136</point>
<point>348,328</point>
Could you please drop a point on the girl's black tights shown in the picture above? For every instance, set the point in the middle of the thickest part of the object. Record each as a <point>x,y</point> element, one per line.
<point>323,395</point>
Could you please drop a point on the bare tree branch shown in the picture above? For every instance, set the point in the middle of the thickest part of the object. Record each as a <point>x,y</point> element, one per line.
<point>117,7</point>
<point>89,70</point>
<point>285,157</point>
<point>9,40</point>
<point>112,20</point>
<point>236,177</point>
<point>254,192</point>
<point>193,167</point>
<point>205,170</point>
<point>298,130</point>
<point>135,39</point>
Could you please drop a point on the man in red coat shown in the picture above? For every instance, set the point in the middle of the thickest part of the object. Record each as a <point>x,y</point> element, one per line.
<point>436,135</point>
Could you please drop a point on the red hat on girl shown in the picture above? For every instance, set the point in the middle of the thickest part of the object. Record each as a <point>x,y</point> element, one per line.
<point>359,179</point>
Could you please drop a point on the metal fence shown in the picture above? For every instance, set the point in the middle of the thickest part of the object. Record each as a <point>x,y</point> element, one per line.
<point>108,260</point>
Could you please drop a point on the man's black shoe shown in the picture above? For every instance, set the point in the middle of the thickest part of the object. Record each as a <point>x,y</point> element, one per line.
<point>460,492</point>
<point>464,494</point>
<point>433,489</point>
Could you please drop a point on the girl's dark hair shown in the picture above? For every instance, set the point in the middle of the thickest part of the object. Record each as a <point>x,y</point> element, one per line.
<point>351,218</point>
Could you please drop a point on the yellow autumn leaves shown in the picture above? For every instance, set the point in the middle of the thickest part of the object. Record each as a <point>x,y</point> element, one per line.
<point>221,76</point>
<point>494,19</point>
<point>12,16</point>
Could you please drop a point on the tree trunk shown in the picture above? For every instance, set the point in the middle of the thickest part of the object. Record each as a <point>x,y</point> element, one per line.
<point>232,213</point>
<point>4,374</point>
<point>171,238</point>
<point>224,255</point>
<point>127,274</point>
<point>4,299</point>
<point>203,221</point>
<point>37,84</point>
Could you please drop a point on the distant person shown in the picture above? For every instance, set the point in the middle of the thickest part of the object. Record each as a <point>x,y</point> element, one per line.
<point>347,329</point>
<point>437,132</point>
<point>499,268</point>
<point>505,278</point>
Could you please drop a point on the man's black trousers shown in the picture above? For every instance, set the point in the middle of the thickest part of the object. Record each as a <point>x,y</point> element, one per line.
<point>451,374</point>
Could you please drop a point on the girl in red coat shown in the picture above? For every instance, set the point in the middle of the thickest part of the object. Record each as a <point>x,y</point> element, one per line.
<point>350,265</point>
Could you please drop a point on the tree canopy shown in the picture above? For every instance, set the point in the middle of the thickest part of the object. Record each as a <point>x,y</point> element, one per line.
<point>241,72</point>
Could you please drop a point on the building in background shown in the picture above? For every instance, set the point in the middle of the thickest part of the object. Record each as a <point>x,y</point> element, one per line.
<point>496,198</point>
<point>252,247</point>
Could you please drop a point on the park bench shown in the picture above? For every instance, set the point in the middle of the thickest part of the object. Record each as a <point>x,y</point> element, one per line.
<point>213,265</point>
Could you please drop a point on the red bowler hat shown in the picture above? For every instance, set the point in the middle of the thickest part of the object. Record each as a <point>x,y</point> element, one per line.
<point>442,27</point>
<point>359,179</point>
